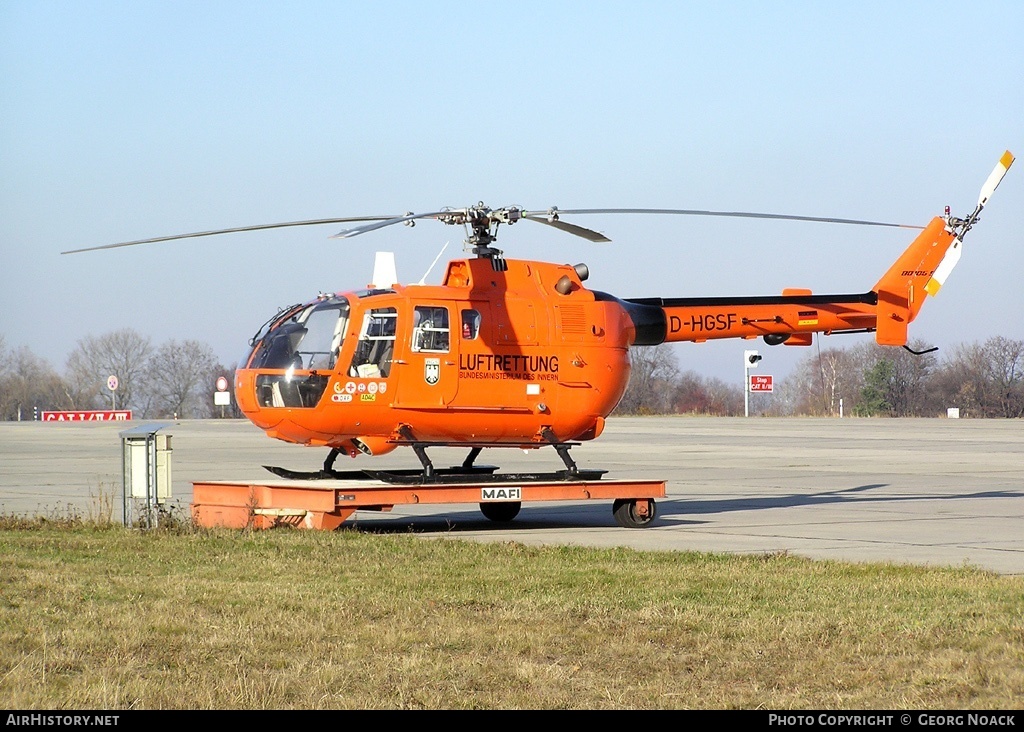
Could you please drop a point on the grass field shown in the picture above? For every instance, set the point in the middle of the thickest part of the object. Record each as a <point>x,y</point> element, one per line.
<point>97,616</point>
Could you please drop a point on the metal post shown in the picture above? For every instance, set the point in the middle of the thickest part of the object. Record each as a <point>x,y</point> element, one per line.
<point>750,359</point>
<point>150,477</point>
<point>125,480</point>
<point>746,388</point>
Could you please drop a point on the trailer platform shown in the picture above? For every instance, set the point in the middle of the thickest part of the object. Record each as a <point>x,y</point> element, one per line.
<point>327,504</point>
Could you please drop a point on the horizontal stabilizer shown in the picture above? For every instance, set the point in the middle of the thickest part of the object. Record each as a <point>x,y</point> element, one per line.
<point>892,324</point>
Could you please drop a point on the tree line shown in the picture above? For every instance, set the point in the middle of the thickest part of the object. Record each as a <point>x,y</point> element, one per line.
<point>983,379</point>
<point>177,379</point>
<point>174,380</point>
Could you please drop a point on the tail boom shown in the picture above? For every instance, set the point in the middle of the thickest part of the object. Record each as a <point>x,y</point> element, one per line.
<point>887,309</point>
<point>776,317</point>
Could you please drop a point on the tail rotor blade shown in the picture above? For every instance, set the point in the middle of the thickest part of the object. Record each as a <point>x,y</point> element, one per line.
<point>955,251</point>
<point>995,178</point>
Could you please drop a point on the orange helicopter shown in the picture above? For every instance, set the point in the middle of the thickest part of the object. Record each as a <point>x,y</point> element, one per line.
<point>513,353</point>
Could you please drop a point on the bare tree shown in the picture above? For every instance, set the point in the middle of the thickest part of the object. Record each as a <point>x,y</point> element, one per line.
<point>122,353</point>
<point>823,379</point>
<point>984,380</point>
<point>695,394</point>
<point>961,380</point>
<point>895,382</point>
<point>913,395</point>
<point>180,380</point>
<point>1006,375</point>
<point>690,395</point>
<point>653,371</point>
<point>28,384</point>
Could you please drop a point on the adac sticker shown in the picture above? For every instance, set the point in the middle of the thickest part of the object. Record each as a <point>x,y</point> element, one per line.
<point>367,397</point>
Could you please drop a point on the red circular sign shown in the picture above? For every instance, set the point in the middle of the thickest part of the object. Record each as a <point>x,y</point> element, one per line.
<point>222,384</point>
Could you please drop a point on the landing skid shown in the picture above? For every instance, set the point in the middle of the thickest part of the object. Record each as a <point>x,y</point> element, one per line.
<point>457,474</point>
<point>468,472</point>
<point>477,472</point>
<point>443,476</point>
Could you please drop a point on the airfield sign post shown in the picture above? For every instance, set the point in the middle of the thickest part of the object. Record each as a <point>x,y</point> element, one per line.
<point>750,359</point>
<point>112,385</point>
<point>222,397</point>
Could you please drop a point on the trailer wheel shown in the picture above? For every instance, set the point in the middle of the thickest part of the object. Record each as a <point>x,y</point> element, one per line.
<point>633,513</point>
<point>503,511</point>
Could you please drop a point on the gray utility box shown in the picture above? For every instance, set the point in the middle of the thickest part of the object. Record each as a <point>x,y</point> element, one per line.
<point>146,462</point>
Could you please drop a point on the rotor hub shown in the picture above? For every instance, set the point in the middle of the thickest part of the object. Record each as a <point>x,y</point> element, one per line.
<point>481,223</point>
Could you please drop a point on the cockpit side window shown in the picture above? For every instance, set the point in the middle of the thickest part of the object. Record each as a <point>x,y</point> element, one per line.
<point>430,331</point>
<point>376,344</point>
<point>470,324</point>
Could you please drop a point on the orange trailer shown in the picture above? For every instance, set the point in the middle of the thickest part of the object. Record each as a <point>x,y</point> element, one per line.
<point>327,504</point>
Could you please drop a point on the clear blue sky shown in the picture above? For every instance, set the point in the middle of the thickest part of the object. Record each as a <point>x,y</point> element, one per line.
<point>125,120</point>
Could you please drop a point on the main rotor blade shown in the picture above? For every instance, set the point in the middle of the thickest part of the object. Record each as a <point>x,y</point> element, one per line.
<point>535,215</point>
<point>258,227</point>
<point>586,233</point>
<point>549,218</point>
<point>383,221</point>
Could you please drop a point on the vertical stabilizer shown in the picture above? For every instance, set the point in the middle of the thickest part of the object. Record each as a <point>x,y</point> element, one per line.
<point>901,291</point>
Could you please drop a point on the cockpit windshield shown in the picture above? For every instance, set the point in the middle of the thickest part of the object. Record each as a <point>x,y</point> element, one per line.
<point>301,345</point>
<point>309,340</point>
